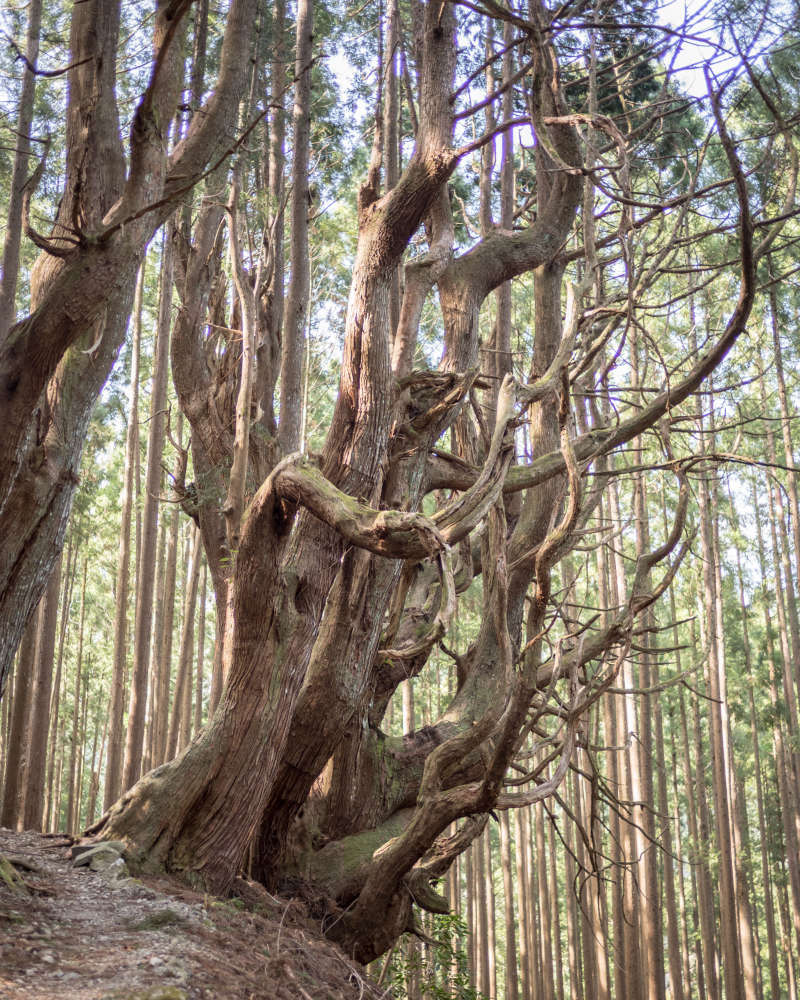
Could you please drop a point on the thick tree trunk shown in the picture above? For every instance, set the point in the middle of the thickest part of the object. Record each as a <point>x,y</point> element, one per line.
<point>314,597</point>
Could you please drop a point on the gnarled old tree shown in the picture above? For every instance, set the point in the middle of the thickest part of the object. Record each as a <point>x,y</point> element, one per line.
<point>337,575</point>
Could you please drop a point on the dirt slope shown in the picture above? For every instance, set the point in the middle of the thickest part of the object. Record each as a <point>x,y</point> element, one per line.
<point>70,933</point>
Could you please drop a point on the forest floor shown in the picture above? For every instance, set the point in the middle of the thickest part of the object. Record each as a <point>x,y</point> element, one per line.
<point>71,933</point>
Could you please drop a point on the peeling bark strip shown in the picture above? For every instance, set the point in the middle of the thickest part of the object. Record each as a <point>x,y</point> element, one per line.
<point>335,578</point>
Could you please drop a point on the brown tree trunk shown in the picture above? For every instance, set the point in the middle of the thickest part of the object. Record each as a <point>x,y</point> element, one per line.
<point>40,714</point>
<point>787,793</point>
<point>650,909</point>
<point>201,655</point>
<point>11,245</point>
<point>512,971</point>
<point>523,906</point>
<point>544,935</point>
<point>134,741</point>
<point>73,806</point>
<point>55,705</point>
<point>766,878</point>
<point>630,785</point>
<point>116,708</point>
<point>183,686</point>
<point>14,781</point>
<point>708,891</point>
<point>294,327</point>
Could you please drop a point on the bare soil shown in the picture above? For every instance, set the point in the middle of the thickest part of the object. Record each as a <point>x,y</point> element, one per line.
<point>73,934</point>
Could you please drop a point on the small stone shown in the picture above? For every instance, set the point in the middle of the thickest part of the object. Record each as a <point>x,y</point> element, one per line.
<point>93,854</point>
<point>173,967</point>
<point>155,961</point>
<point>154,993</point>
<point>112,869</point>
<point>80,850</point>
<point>48,957</point>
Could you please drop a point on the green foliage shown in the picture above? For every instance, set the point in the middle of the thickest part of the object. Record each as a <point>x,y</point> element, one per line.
<point>441,970</point>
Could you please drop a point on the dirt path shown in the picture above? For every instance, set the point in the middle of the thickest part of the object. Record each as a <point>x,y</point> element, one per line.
<point>69,933</point>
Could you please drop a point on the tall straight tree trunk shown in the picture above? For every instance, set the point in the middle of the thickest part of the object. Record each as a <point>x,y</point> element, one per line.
<point>165,595</point>
<point>178,735</point>
<point>555,920</point>
<point>739,834</point>
<point>55,703</point>
<point>788,447</point>
<point>523,907</point>
<point>576,980</point>
<point>134,744</point>
<point>543,886</point>
<point>5,722</point>
<point>630,784</point>
<point>391,160</point>
<point>94,785</point>
<point>482,913</point>
<point>788,951</point>
<point>615,852</point>
<point>11,246</point>
<point>720,756</point>
<point>292,348</point>
<point>14,782</point>
<point>787,614</point>
<point>165,622</point>
<point>201,647</point>
<point>709,890</point>
<point>40,713</point>
<point>80,777</point>
<point>787,795</point>
<point>276,167</point>
<point>72,806</point>
<point>115,738</point>
<point>670,901</point>
<point>512,972</point>
<point>471,933</point>
<point>790,793</point>
<point>58,796</point>
<point>536,969</point>
<point>650,911</point>
<point>766,877</point>
<point>491,927</point>
<point>583,887</point>
<point>685,780</point>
